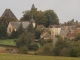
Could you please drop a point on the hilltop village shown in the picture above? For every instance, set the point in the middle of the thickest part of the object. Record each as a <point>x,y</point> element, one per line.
<point>41,33</point>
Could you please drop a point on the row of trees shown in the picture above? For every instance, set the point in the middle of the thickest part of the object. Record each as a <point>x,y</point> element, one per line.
<point>63,47</point>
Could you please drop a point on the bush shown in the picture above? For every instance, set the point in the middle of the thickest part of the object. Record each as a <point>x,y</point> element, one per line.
<point>47,49</point>
<point>73,53</point>
<point>33,46</point>
<point>23,50</point>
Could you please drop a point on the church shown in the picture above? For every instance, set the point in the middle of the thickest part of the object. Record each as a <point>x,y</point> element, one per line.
<point>13,25</point>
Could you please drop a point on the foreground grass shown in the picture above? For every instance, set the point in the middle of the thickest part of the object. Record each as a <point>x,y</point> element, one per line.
<point>8,42</point>
<point>33,57</point>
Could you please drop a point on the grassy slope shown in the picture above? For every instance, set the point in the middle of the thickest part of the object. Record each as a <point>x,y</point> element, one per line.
<point>33,57</point>
<point>7,42</point>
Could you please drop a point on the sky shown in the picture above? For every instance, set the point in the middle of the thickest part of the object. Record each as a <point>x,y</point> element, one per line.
<point>65,9</point>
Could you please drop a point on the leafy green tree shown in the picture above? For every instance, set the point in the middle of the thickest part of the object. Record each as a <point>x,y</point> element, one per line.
<point>52,17</point>
<point>77,48</point>
<point>23,50</point>
<point>77,37</point>
<point>38,16</point>
<point>47,49</point>
<point>42,42</point>
<point>25,39</point>
<point>60,45</point>
<point>73,53</point>
<point>3,32</point>
<point>33,46</point>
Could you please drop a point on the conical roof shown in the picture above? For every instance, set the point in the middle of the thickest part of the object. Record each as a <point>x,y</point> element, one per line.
<point>9,14</point>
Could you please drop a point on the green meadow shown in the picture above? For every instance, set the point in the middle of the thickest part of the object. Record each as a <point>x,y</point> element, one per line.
<point>10,42</point>
<point>33,57</point>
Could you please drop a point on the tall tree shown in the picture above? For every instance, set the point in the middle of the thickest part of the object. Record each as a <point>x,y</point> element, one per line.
<point>30,28</point>
<point>52,17</point>
<point>3,32</point>
<point>20,29</point>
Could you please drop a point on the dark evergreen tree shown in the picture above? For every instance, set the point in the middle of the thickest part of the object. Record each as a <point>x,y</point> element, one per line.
<point>30,28</point>
<point>20,30</point>
<point>3,32</point>
<point>14,34</point>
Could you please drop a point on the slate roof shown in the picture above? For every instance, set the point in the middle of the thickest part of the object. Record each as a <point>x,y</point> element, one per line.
<point>54,26</point>
<point>9,14</point>
<point>64,32</point>
<point>16,24</point>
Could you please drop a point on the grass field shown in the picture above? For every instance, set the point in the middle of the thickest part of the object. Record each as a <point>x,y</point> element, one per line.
<point>33,57</point>
<point>8,42</point>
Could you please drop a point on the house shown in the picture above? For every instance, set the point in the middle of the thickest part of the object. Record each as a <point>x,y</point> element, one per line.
<point>14,25</point>
<point>45,35</point>
<point>55,30</point>
<point>40,27</point>
<point>71,35</point>
<point>63,33</point>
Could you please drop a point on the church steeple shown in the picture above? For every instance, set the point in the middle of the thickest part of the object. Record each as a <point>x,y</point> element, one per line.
<point>32,21</point>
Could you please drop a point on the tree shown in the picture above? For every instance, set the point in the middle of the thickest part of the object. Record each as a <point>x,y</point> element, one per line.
<point>24,42</point>
<point>61,45</point>
<point>23,50</point>
<point>52,17</point>
<point>47,49</point>
<point>30,28</point>
<point>77,37</point>
<point>33,46</point>
<point>3,32</point>
<point>5,21</point>
<point>20,30</point>
<point>25,39</point>
<point>14,34</point>
<point>38,33</point>
<point>77,48</point>
<point>38,16</point>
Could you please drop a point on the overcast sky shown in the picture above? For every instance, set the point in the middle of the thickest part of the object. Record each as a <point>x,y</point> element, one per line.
<point>65,9</point>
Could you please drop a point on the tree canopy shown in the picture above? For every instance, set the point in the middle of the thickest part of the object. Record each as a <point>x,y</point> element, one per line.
<point>46,18</point>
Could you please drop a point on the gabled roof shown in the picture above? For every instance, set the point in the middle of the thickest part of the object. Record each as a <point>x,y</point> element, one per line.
<point>16,24</point>
<point>47,35</point>
<point>9,14</point>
